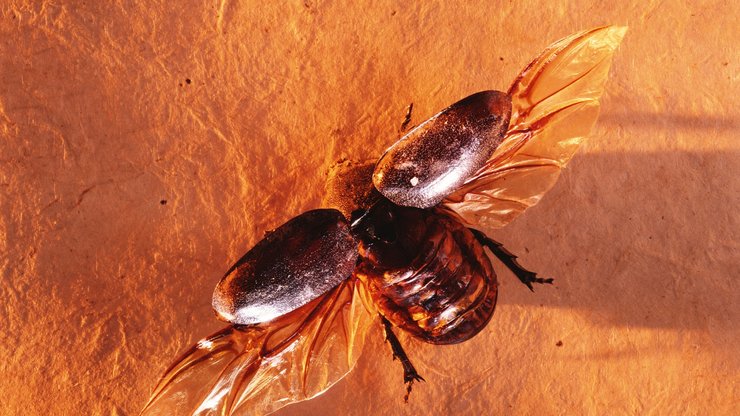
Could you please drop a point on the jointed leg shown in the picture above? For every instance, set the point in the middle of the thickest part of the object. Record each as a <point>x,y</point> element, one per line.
<point>409,372</point>
<point>509,260</point>
<point>407,119</point>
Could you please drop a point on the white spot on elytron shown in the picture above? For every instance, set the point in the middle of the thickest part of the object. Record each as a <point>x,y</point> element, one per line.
<point>414,181</point>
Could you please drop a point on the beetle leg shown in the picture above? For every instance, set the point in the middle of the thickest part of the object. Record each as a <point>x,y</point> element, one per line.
<point>509,259</point>
<point>409,372</point>
<point>406,119</point>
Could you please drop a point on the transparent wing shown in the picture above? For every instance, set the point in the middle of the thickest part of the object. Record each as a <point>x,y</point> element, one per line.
<point>258,369</point>
<point>555,102</point>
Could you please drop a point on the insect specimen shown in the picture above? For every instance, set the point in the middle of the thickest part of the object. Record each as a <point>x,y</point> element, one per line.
<point>407,250</point>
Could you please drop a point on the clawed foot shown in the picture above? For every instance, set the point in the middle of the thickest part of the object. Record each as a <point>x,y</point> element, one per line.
<point>409,372</point>
<point>509,259</point>
<point>408,379</point>
<point>528,277</point>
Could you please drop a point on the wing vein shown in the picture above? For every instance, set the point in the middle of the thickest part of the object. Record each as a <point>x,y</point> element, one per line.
<point>322,320</point>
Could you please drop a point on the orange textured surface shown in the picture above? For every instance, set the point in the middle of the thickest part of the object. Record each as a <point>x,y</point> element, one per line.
<point>145,147</point>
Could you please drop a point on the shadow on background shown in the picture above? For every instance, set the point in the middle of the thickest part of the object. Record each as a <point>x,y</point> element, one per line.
<point>660,121</point>
<point>635,239</point>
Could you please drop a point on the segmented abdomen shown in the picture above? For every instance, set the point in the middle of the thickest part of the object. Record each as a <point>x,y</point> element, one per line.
<point>433,280</point>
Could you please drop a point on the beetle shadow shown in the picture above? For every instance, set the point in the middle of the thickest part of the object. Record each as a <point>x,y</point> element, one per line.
<point>632,239</point>
<point>661,120</point>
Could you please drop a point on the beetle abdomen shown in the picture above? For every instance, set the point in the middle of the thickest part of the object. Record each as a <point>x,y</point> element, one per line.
<point>427,273</point>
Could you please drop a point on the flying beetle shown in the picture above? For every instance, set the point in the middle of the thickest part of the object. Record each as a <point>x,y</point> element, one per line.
<point>407,250</point>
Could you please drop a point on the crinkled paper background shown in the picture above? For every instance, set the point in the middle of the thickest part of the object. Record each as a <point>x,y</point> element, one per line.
<point>144,146</point>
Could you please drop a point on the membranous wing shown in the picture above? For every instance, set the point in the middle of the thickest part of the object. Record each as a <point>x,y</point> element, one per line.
<point>258,369</point>
<point>555,102</point>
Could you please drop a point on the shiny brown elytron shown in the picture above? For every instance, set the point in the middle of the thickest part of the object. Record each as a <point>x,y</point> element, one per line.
<point>405,250</point>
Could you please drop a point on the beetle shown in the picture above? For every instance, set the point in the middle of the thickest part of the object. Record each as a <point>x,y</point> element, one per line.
<point>403,247</point>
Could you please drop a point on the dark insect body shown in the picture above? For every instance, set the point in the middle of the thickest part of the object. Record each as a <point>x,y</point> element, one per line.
<point>406,248</point>
<point>426,272</point>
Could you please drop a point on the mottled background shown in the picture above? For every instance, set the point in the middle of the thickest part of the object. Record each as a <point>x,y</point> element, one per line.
<point>144,146</point>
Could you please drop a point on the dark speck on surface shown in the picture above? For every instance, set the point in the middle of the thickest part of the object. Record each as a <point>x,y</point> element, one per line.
<point>163,202</point>
<point>188,81</point>
<point>559,344</point>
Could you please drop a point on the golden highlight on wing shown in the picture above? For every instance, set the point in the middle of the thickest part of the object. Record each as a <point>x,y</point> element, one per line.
<point>258,369</point>
<point>555,102</point>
